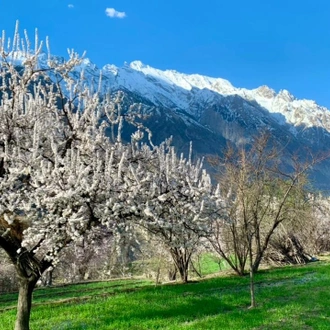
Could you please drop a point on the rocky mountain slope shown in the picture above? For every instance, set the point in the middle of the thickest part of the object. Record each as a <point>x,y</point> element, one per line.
<point>211,112</point>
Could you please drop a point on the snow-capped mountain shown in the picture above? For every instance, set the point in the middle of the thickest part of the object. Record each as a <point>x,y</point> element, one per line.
<point>171,88</point>
<point>177,90</point>
<point>211,111</point>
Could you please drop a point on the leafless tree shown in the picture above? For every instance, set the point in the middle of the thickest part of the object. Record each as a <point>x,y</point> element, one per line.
<point>259,193</point>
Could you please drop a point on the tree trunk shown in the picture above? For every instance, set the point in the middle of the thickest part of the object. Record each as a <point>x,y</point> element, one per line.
<point>172,274</point>
<point>181,260</point>
<point>26,286</point>
<point>184,274</point>
<point>252,289</point>
<point>183,265</point>
<point>257,261</point>
<point>28,270</point>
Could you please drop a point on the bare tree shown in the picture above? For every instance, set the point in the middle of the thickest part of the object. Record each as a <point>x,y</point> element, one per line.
<point>259,193</point>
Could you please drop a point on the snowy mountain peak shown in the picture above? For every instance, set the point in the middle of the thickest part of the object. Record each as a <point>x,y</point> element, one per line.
<point>111,68</point>
<point>192,92</point>
<point>183,91</point>
<point>137,65</point>
<point>182,80</point>
<point>285,95</point>
<point>265,91</point>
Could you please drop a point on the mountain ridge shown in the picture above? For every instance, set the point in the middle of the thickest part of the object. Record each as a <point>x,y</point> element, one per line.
<point>211,112</point>
<point>172,88</point>
<point>296,112</point>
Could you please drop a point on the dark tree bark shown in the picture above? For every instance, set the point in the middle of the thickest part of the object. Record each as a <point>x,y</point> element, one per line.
<point>26,287</point>
<point>28,270</point>
<point>181,260</point>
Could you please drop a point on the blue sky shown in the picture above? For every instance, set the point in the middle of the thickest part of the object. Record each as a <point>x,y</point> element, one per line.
<point>284,44</point>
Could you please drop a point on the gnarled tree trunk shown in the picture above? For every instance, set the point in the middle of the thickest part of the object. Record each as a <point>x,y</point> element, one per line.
<point>28,270</point>
<point>26,287</point>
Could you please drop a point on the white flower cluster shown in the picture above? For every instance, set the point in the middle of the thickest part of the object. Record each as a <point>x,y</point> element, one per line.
<point>65,170</point>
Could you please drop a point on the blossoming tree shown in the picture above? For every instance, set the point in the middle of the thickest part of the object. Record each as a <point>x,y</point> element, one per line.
<point>179,204</point>
<point>61,176</point>
<point>65,171</point>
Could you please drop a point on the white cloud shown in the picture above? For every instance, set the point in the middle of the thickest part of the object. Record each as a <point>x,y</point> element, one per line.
<point>112,12</point>
<point>71,5</point>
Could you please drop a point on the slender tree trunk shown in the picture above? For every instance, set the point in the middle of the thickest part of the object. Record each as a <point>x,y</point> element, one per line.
<point>252,288</point>
<point>197,271</point>
<point>184,274</point>
<point>172,274</point>
<point>257,261</point>
<point>26,286</point>
<point>157,275</point>
<point>183,270</point>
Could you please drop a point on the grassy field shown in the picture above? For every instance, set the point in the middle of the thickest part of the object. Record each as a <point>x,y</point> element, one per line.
<point>287,298</point>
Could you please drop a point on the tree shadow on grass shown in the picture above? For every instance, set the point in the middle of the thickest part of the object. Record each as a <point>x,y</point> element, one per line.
<point>161,311</point>
<point>290,298</point>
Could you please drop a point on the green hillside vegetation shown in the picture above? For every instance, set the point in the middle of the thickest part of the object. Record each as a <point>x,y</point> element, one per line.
<point>287,298</point>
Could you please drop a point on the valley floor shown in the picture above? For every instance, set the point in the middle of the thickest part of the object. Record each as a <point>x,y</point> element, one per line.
<point>287,298</point>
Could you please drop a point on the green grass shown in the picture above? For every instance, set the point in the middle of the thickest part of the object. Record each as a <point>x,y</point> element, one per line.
<point>287,298</point>
<point>211,263</point>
